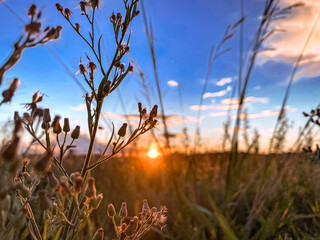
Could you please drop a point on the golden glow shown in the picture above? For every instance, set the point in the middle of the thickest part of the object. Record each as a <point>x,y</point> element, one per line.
<point>153,151</point>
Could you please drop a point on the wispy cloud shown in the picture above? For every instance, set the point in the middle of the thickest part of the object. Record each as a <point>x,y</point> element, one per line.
<point>173,83</point>
<point>268,113</point>
<point>217,94</point>
<point>224,81</point>
<point>79,108</point>
<point>228,101</point>
<point>288,45</point>
<point>218,114</point>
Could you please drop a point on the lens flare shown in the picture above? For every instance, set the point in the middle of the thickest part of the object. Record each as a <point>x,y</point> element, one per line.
<point>153,151</point>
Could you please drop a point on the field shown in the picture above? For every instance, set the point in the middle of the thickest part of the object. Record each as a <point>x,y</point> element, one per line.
<point>154,175</point>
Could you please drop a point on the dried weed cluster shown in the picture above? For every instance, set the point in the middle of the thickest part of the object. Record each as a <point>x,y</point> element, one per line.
<point>38,197</point>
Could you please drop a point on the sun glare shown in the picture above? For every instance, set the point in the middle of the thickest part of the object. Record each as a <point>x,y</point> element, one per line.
<point>153,151</point>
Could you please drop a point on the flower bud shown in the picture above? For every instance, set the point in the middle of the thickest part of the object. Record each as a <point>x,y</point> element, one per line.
<point>122,131</point>
<point>67,12</point>
<point>44,163</point>
<point>145,206</point>
<point>123,210</point>
<point>78,184</point>
<point>154,111</point>
<point>59,7</point>
<point>111,211</point>
<point>32,11</point>
<point>10,151</point>
<point>57,127</point>
<point>46,116</point>
<point>123,227</point>
<point>95,203</point>
<point>99,235</point>
<point>76,133</point>
<point>136,222</point>
<point>43,200</point>
<point>27,178</point>
<point>130,229</point>
<point>64,185</point>
<point>53,181</point>
<point>66,125</point>
<point>91,190</point>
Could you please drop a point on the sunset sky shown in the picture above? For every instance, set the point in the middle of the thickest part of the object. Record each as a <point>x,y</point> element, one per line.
<point>184,32</point>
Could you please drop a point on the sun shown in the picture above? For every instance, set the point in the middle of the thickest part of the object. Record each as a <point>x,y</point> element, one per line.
<point>153,151</point>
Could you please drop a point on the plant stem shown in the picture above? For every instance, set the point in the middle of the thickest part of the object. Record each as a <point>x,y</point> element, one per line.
<point>92,138</point>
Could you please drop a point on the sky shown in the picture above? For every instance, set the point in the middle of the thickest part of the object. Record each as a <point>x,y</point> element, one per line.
<point>184,32</point>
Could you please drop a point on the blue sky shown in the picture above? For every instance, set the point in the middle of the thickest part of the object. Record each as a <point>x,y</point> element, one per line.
<point>184,33</point>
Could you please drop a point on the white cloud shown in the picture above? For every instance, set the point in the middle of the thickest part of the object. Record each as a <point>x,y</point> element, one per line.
<point>217,94</point>
<point>257,88</point>
<point>224,81</point>
<point>288,45</point>
<point>79,108</point>
<point>173,83</point>
<point>268,113</point>
<point>218,114</point>
<point>228,101</point>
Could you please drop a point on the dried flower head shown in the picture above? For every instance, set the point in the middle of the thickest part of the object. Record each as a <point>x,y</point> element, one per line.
<point>111,211</point>
<point>123,130</point>
<point>53,181</point>
<point>76,133</point>
<point>66,125</point>
<point>43,165</point>
<point>59,7</point>
<point>123,210</point>
<point>33,28</point>
<point>92,66</point>
<point>10,151</point>
<point>57,129</point>
<point>67,12</point>
<point>91,190</point>
<point>32,11</point>
<point>46,115</point>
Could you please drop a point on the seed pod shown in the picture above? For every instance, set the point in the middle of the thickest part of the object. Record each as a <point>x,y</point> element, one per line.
<point>122,131</point>
<point>27,178</point>
<point>78,184</point>
<point>64,185</point>
<point>57,127</point>
<point>154,111</point>
<point>107,88</point>
<point>44,163</point>
<point>53,181</point>
<point>10,151</point>
<point>76,133</point>
<point>99,235</point>
<point>130,229</point>
<point>59,7</point>
<point>46,115</point>
<point>136,222</point>
<point>140,107</point>
<point>111,211</point>
<point>91,190</point>
<point>66,125</point>
<point>43,200</point>
<point>145,206</point>
<point>95,203</point>
<point>123,210</point>
<point>123,227</point>
<point>32,11</point>
<point>67,12</point>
